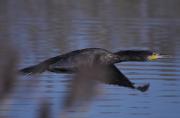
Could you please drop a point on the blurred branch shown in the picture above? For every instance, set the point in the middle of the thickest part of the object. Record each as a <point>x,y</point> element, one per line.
<point>83,88</point>
<point>8,69</point>
<point>45,110</point>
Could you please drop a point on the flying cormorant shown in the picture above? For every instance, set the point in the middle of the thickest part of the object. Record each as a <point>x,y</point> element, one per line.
<point>103,59</point>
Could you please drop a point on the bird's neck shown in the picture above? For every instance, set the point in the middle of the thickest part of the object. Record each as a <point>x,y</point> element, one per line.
<point>119,58</point>
<point>124,57</point>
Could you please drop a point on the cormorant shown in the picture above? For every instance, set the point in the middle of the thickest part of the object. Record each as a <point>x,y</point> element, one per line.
<point>95,58</point>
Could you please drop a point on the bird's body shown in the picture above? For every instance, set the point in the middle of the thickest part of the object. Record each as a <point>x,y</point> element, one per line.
<point>71,61</point>
<point>103,59</point>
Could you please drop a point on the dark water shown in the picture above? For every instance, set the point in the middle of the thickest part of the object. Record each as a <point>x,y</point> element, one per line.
<point>42,29</point>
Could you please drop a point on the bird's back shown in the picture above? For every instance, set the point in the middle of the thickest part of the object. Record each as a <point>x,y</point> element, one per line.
<point>71,61</point>
<point>83,57</point>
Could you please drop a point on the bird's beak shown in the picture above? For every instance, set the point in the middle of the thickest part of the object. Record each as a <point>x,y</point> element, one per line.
<point>157,56</point>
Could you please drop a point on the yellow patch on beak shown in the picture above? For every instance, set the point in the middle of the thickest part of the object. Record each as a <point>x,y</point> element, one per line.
<point>154,56</point>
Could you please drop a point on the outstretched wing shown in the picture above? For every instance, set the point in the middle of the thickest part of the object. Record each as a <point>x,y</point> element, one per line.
<point>54,64</point>
<point>115,77</point>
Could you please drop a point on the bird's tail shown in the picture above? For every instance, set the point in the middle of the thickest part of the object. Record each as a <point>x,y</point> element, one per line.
<point>35,69</point>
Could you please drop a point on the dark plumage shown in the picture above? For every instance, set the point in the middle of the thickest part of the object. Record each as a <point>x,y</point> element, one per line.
<point>92,58</point>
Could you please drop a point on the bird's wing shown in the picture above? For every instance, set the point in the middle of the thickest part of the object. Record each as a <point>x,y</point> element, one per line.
<point>115,77</point>
<point>54,64</point>
<point>62,65</point>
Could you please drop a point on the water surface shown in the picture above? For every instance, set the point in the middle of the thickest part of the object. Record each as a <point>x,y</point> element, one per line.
<point>43,29</point>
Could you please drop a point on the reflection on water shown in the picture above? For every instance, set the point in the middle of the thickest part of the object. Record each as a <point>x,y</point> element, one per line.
<point>42,29</point>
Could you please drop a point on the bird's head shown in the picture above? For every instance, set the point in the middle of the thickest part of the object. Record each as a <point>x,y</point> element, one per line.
<point>139,55</point>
